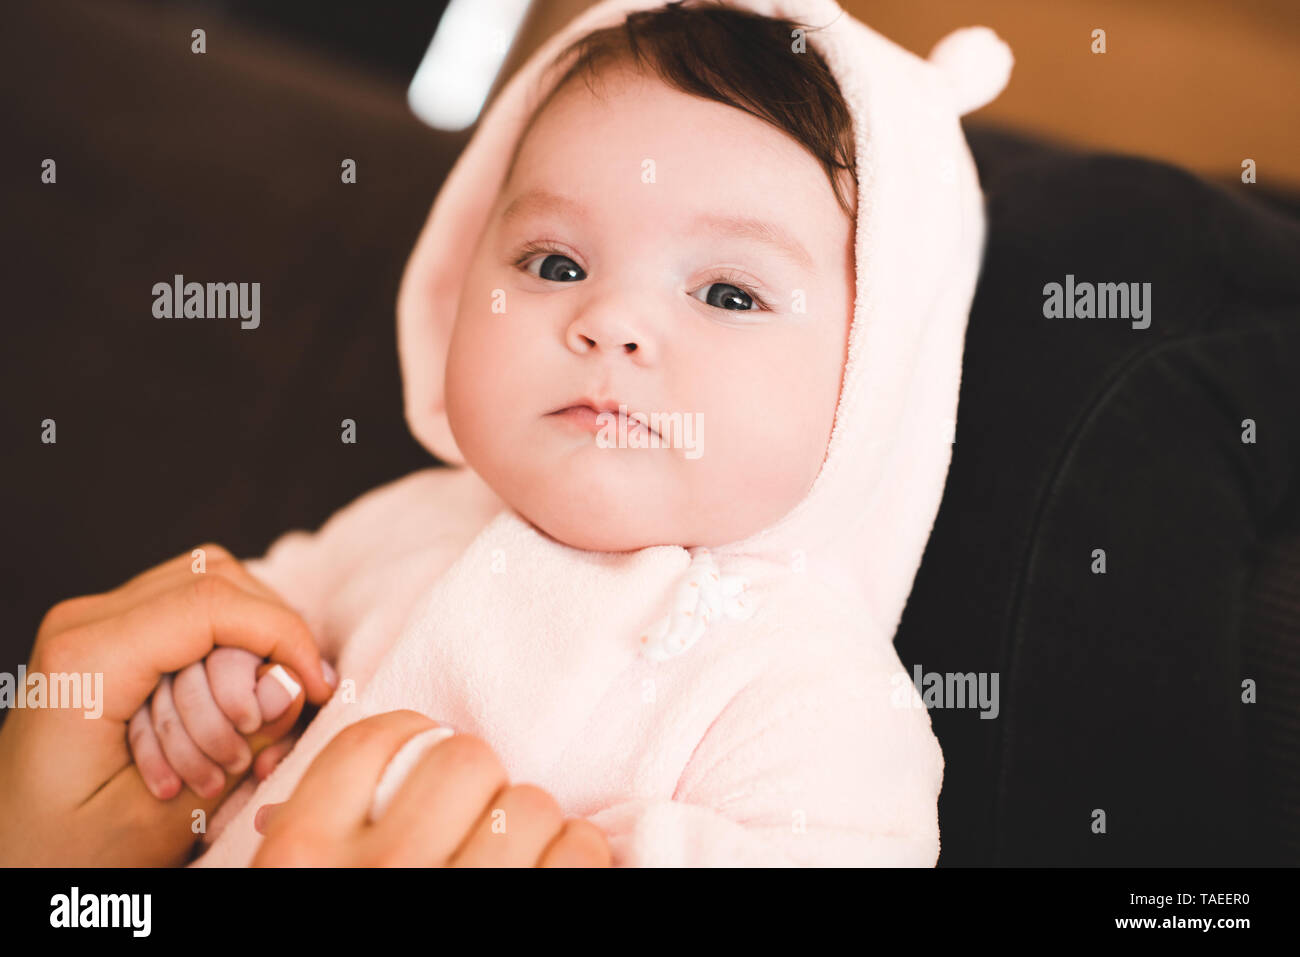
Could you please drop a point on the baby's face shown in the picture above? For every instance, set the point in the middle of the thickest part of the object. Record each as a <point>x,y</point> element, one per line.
<point>624,264</point>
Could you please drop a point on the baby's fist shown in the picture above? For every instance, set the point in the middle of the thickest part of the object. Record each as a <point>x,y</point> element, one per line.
<point>193,729</point>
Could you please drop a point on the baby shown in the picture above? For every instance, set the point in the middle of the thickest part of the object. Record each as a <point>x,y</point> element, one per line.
<point>684,634</point>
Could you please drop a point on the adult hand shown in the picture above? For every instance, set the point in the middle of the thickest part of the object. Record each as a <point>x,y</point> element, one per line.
<point>455,808</point>
<point>71,795</point>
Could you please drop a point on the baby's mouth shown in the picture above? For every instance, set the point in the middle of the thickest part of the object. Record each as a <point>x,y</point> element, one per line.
<point>594,416</point>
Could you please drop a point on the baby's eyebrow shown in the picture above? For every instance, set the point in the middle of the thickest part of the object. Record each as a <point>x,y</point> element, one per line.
<point>744,227</point>
<point>739,227</point>
<point>543,201</point>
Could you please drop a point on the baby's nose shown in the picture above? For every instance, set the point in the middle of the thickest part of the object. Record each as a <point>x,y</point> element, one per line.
<point>585,343</point>
<point>611,335</point>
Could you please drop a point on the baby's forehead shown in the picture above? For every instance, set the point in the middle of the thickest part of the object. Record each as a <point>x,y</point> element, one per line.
<point>654,123</point>
<point>718,64</point>
<point>590,119</point>
<point>574,101</point>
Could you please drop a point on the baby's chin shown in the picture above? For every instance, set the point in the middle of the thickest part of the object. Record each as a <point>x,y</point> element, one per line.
<point>606,500</point>
<point>580,532</point>
<point>597,519</point>
<point>601,523</point>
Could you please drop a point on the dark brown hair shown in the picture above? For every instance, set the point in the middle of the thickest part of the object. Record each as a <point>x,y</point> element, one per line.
<point>736,57</point>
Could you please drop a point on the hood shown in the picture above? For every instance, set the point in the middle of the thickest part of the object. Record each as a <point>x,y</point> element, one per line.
<point>863,525</point>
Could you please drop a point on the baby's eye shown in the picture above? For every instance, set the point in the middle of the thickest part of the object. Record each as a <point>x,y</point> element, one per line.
<point>724,293</point>
<point>728,292</point>
<point>556,267</point>
<point>728,296</point>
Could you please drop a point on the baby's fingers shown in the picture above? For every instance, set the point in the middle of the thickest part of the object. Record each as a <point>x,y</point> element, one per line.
<point>204,722</point>
<point>266,762</point>
<point>232,676</point>
<point>203,777</point>
<point>147,754</point>
<point>273,692</point>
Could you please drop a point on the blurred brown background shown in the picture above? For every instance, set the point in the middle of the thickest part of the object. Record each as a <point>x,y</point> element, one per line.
<point>1203,84</point>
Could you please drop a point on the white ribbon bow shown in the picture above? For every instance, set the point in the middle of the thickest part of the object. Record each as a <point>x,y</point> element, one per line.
<point>702,595</point>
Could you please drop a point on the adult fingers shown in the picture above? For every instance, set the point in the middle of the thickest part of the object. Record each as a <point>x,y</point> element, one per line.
<point>177,628</point>
<point>275,730</point>
<point>514,831</point>
<point>209,558</point>
<point>438,805</point>
<point>265,815</point>
<point>133,829</point>
<point>334,796</point>
<point>200,774</point>
<point>275,691</point>
<point>82,610</point>
<point>204,721</point>
<point>579,844</point>
<point>162,782</point>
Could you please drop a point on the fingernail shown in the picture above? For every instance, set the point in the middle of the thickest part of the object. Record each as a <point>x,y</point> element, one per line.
<point>249,721</point>
<point>399,766</point>
<point>275,692</point>
<point>241,763</point>
<point>213,785</point>
<point>167,789</point>
<point>331,676</point>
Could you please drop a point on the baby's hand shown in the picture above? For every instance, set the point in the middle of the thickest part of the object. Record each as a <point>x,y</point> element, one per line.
<point>195,724</point>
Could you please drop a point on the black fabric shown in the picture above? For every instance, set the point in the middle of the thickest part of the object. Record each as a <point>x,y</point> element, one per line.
<point>1119,692</point>
<point>1270,651</point>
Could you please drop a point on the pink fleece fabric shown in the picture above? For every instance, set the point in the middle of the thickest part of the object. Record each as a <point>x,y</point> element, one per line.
<point>790,735</point>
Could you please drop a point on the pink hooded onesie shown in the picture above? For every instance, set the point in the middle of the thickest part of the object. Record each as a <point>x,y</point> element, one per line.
<point>737,706</point>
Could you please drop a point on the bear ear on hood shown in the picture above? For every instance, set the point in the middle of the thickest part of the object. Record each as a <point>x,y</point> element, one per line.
<point>977,65</point>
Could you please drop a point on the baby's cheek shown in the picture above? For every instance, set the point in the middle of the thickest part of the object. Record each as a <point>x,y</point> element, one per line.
<point>489,404</point>
<point>790,444</point>
<point>465,414</point>
<point>487,355</point>
<point>469,383</point>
